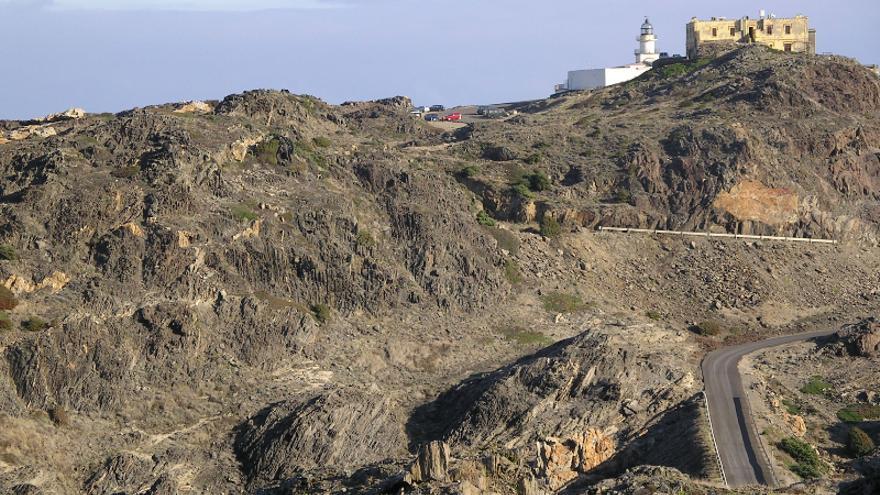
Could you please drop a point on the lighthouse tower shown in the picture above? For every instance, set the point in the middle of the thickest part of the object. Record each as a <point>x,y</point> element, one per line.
<point>647,52</point>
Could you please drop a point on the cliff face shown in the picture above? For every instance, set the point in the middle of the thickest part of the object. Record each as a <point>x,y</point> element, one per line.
<point>705,145</point>
<point>273,292</point>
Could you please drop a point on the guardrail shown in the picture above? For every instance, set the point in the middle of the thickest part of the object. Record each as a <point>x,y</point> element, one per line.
<point>808,240</point>
<point>714,442</point>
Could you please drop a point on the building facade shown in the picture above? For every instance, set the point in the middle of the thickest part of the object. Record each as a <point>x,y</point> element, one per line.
<point>646,54</point>
<point>791,34</point>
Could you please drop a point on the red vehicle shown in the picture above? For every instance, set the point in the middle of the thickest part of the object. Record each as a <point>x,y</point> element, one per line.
<point>453,117</point>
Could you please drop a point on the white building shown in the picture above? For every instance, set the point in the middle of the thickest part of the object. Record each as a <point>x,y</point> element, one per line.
<point>598,78</point>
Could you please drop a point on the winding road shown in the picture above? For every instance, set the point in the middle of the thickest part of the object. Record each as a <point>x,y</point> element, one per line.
<point>743,459</point>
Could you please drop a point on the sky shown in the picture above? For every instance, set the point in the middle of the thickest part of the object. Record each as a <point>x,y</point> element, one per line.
<point>113,55</point>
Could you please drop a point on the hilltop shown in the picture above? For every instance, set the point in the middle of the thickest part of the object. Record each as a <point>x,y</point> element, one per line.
<point>272,293</point>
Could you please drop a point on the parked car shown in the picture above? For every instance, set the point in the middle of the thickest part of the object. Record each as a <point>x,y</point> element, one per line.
<point>437,108</point>
<point>453,117</point>
<point>417,112</point>
<point>432,117</point>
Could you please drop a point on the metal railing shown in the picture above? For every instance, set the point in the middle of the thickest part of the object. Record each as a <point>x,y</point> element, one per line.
<point>714,442</point>
<point>808,240</point>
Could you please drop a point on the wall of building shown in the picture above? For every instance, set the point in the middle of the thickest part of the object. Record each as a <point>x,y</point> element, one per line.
<point>586,79</point>
<point>598,78</point>
<point>792,34</point>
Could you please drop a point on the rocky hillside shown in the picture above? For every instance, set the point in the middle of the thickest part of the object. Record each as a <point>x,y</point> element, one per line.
<point>270,294</point>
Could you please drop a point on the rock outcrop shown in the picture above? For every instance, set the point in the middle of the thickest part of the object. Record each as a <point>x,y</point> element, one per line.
<point>860,339</point>
<point>336,430</point>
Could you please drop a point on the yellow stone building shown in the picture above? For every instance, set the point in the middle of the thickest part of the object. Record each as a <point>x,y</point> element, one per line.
<point>790,34</point>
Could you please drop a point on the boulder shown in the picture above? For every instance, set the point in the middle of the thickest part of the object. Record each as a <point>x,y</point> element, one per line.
<point>861,339</point>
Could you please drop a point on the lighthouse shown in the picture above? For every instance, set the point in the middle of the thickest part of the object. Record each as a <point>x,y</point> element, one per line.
<point>646,55</point>
<point>647,52</point>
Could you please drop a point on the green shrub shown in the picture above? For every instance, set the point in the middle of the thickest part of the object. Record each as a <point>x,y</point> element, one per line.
<point>522,337</point>
<point>856,413</point>
<point>654,315</point>
<point>7,253</point>
<point>522,190</point>
<point>807,462</point>
<point>5,324</point>
<point>538,181</point>
<point>470,171</point>
<point>550,227</point>
<point>512,273</point>
<point>126,172</point>
<point>561,302</point>
<point>365,239</point>
<point>243,213</point>
<point>307,153</point>
<point>506,239</point>
<point>816,386</point>
<point>622,195</point>
<point>267,151</point>
<point>859,443</point>
<point>533,159</point>
<point>322,142</point>
<point>321,312</point>
<point>7,299</point>
<point>34,324</point>
<point>708,328</point>
<point>791,406</point>
<point>484,219</point>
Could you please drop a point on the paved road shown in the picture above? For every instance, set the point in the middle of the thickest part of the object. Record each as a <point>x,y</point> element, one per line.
<point>742,457</point>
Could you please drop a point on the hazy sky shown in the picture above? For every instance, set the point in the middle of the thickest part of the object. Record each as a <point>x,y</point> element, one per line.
<point>111,55</point>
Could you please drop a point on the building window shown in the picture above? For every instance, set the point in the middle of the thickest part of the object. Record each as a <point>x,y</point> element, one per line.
<point>733,31</point>
<point>714,32</point>
<point>788,47</point>
<point>770,29</point>
<point>787,29</point>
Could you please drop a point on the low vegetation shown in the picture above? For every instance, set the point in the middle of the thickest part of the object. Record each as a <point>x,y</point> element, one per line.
<point>791,407</point>
<point>859,443</point>
<point>512,272</point>
<point>522,337</point>
<point>322,142</point>
<point>484,219</point>
<point>34,324</point>
<point>5,324</point>
<point>522,191</point>
<point>7,253</point>
<point>816,386</point>
<point>561,302</point>
<point>653,315</point>
<point>365,239</point>
<point>807,463</point>
<point>126,172</point>
<point>267,151</point>
<point>550,227</point>
<point>506,239</point>
<point>469,171</point>
<point>856,413</point>
<point>321,312</point>
<point>708,328</point>
<point>243,213</point>
<point>682,69</point>
<point>7,299</point>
